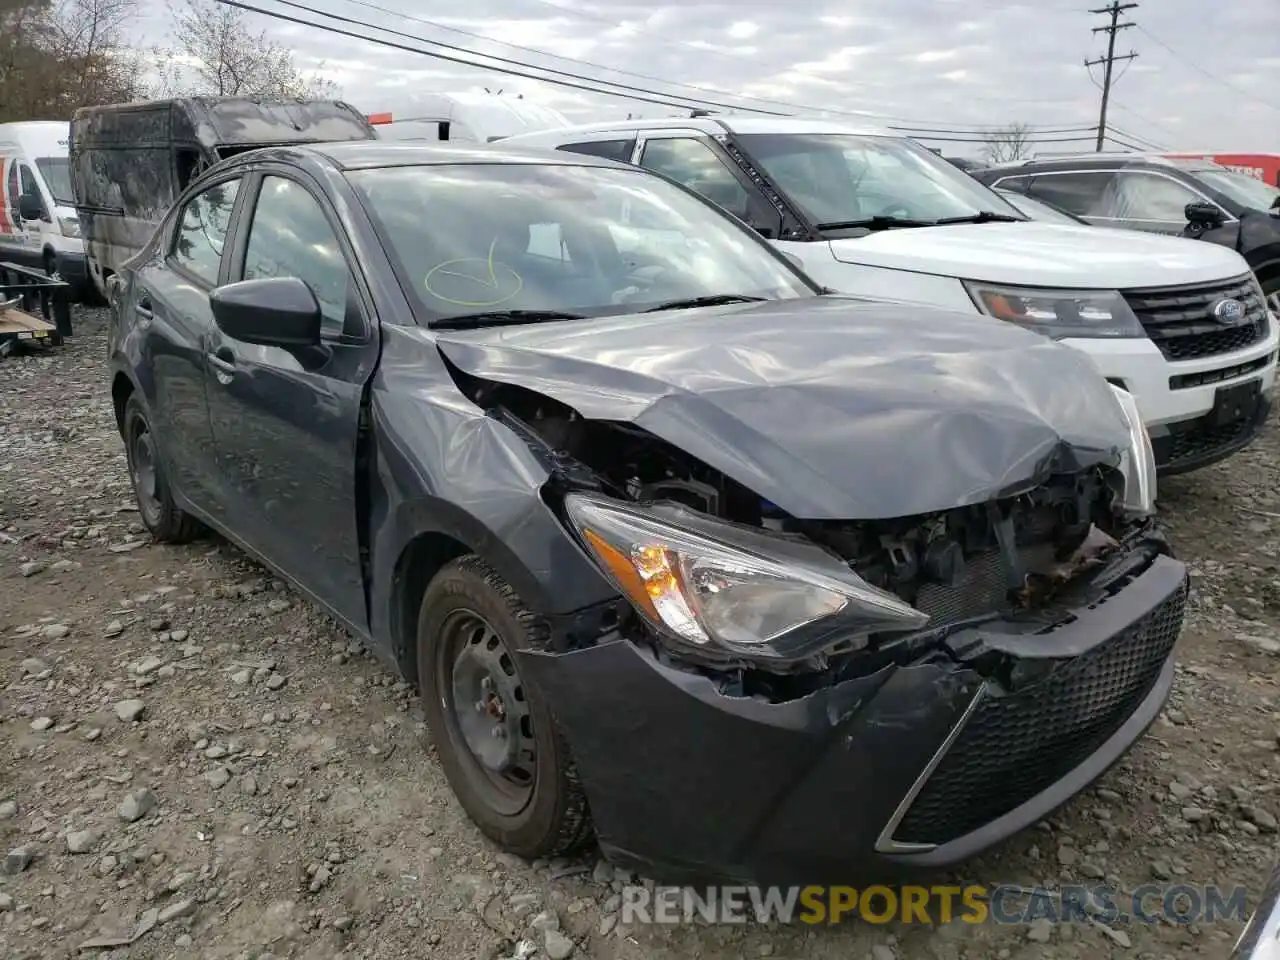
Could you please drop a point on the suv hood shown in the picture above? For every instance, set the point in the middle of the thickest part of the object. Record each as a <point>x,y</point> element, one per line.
<point>1043,254</point>
<point>831,408</point>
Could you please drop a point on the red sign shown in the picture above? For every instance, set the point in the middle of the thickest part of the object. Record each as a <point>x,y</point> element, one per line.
<point>1263,166</point>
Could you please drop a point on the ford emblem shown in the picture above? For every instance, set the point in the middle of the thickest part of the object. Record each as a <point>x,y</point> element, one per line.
<point>1229,312</point>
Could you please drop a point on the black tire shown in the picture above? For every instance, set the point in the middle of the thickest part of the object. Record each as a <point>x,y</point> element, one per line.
<point>165,521</point>
<point>543,813</point>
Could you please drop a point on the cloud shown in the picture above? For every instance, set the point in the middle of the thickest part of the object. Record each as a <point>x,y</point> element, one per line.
<point>964,64</point>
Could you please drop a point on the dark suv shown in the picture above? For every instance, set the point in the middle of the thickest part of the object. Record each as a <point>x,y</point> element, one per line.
<point>1192,198</point>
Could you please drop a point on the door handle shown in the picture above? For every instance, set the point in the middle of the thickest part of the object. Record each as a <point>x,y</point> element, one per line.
<point>223,361</point>
<point>143,308</point>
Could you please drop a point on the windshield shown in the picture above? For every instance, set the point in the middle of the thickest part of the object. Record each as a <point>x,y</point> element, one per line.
<point>587,241</point>
<point>1037,210</point>
<point>57,177</point>
<point>1243,189</point>
<point>838,178</point>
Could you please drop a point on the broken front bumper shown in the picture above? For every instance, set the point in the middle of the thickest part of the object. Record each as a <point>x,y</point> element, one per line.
<point>874,778</point>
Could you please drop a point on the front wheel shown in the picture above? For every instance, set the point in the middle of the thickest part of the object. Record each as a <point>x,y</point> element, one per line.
<point>166,522</point>
<point>1271,292</point>
<point>502,751</point>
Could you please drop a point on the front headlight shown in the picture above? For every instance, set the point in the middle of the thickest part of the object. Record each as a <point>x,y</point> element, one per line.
<point>1058,313</point>
<point>1139,461</point>
<point>70,228</point>
<point>718,590</point>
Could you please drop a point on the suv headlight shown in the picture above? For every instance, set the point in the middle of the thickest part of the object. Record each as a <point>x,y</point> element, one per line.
<point>717,589</point>
<point>1139,461</point>
<point>69,227</point>
<point>1058,313</point>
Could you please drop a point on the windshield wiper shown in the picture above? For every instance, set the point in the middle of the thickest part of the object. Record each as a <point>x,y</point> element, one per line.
<point>878,222</point>
<point>713,300</point>
<point>982,216</point>
<point>500,318</point>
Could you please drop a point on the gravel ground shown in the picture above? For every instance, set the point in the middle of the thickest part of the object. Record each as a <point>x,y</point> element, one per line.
<point>193,757</point>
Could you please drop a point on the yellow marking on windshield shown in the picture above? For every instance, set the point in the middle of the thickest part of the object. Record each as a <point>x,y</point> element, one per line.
<point>489,280</point>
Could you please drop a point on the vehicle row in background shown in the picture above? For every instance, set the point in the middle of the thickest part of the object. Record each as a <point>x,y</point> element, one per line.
<point>1182,326</point>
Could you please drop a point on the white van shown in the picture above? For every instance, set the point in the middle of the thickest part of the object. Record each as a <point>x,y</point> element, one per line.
<point>38,223</point>
<point>1181,325</point>
<point>468,117</point>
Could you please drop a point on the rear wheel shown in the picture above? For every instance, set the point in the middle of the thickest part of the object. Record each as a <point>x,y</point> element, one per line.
<point>499,744</point>
<point>160,515</point>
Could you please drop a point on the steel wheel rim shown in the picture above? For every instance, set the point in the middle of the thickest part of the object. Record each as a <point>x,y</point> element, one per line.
<point>143,471</point>
<point>486,711</point>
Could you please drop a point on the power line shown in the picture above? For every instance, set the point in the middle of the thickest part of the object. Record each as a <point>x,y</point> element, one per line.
<point>555,56</point>
<point>1114,9</point>
<point>1145,119</point>
<point>1199,69</point>
<point>628,91</point>
<point>903,127</point>
<point>1149,144</point>
<point>997,6</point>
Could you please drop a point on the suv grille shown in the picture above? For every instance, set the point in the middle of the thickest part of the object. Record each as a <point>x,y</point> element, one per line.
<point>1180,319</point>
<point>1015,746</point>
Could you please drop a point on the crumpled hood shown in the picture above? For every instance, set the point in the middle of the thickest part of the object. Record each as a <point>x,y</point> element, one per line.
<point>829,407</point>
<point>1043,254</point>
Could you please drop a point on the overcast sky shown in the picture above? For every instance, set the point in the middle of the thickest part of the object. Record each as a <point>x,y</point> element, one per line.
<point>1207,76</point>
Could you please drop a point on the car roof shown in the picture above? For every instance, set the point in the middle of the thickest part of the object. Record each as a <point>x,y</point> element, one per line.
<point>1112,160</point>
<point>368,154</point>
<point>719,123</point>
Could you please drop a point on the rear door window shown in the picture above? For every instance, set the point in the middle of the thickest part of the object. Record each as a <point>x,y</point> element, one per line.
<point>202,230</point>
<point>1080,193</point>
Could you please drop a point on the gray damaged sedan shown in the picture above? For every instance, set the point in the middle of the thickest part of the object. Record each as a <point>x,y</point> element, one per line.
<point>743,580</point>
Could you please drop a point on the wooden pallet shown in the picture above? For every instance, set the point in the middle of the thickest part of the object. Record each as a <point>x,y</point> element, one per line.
<point>18,328</point>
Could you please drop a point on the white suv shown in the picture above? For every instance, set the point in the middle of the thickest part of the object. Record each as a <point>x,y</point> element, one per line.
<point>1181,325</point>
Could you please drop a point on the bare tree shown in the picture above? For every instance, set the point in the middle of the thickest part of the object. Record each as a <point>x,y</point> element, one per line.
<point>1007,143</point>
<point>217,53</point>
<point>88,36</point>
<point>57,55</point>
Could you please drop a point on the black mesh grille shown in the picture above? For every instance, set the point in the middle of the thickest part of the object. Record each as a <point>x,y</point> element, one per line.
<point>1189,446</point>
<point>1180,320</point>
<point>1015,746</point>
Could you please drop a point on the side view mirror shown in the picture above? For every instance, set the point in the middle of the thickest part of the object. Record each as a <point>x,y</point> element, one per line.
<point>31,207</point>
<point>270,312</point>
<point>1206,214</point>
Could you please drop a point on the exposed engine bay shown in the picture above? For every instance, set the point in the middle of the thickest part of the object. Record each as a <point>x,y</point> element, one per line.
<point>1034,554</point>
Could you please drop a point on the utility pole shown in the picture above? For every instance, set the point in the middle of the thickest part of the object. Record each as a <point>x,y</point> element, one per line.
<point>1113,10</point>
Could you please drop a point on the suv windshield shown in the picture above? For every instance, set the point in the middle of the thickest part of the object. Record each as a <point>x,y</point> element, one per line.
<point>543,239</point>
<point>840,179</point>
<point>1243,189</point>
<point>57,177</point>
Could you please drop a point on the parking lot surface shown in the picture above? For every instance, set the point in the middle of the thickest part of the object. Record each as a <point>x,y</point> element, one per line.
<point>192,754</point>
